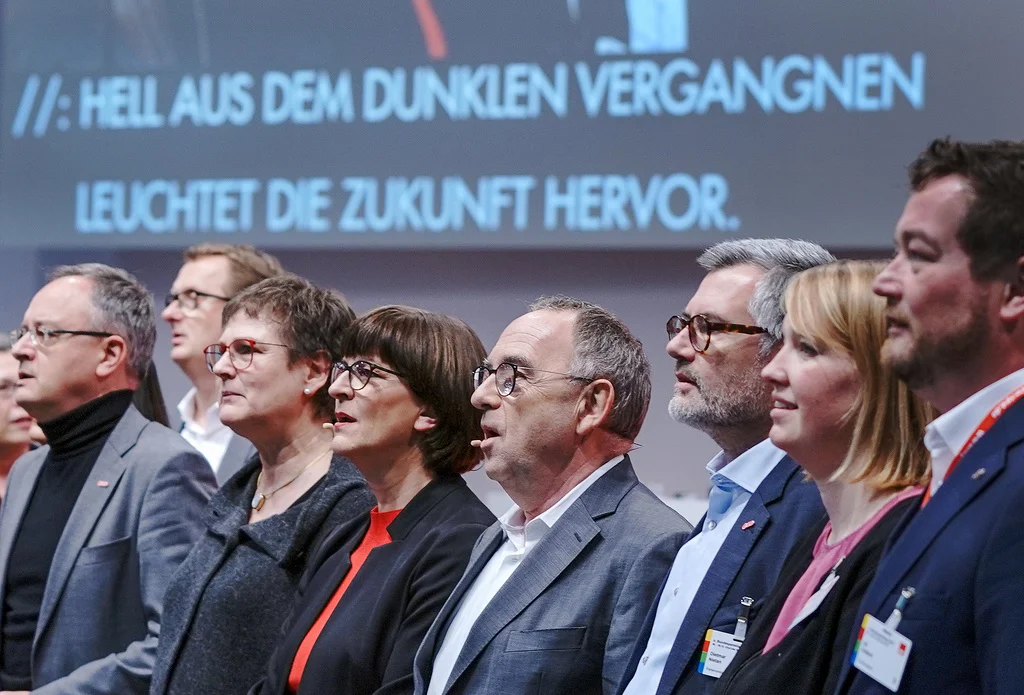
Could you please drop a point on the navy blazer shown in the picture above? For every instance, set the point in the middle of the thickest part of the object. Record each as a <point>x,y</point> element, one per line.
<point>964,555</point>
<point>368,643</point>
<point>783,508</point>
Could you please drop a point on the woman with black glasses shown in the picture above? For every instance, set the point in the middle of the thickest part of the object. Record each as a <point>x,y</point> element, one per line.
<point>227,601</point>
<point>404,419</point>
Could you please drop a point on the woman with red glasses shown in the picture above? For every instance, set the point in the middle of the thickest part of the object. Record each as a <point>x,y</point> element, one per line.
<point>227,601</point>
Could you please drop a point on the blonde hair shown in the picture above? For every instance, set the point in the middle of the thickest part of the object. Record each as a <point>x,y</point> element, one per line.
<point>833,306</point>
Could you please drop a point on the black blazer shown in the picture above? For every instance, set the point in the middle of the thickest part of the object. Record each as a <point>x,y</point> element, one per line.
<point>810,657</point>
<point>368,644</point>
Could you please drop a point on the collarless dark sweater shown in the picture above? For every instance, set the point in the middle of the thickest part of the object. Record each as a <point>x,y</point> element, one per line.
<point>75,440</point>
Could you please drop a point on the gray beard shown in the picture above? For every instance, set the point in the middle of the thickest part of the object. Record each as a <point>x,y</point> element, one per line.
<point>746,404</point>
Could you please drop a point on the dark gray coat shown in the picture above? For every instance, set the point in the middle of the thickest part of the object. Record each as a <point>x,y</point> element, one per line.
<point>226,604</point>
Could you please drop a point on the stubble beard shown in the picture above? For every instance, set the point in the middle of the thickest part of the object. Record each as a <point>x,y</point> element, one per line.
<point>921,363</point>
<point>745,401</point>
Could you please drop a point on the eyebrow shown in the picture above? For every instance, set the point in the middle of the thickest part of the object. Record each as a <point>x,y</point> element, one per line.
<point>710,315</point>
<point>908,235</point>
<point>517,360</point>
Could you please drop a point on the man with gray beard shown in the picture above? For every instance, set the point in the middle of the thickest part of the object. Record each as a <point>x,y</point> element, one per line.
<point>760,503</point>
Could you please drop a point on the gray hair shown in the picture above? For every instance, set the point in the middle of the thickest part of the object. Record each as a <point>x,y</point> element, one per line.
<point>123,306</point>
<point>603,348</point>
<point>781,259</point>
<point>5,343</point>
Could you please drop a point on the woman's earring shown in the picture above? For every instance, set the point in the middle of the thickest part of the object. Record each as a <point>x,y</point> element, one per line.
<point>305,391</point>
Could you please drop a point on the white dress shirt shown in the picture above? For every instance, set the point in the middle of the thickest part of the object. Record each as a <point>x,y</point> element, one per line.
<point>694,559</point>
<point>520,539</point>
<point>947,434</point>
<point>211,441</point>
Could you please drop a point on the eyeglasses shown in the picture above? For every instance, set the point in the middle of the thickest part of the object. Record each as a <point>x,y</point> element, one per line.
<point>240,352</point>
<point>701,328</point>
<point>45,337</point>
<point>506,373</point>
<point>359,373</point>
<point>189,299</point>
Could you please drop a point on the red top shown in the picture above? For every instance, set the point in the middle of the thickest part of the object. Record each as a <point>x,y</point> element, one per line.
<point>376,535</point>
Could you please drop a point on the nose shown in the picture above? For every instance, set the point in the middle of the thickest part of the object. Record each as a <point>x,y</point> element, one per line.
<point>679,347</point>
<point>223,368</point>
<point>486,397</point>
<point>23,349</point>
<point>341,388</point>
<point>171,312</point>
<point>886,283</point>
<point>774,372</point>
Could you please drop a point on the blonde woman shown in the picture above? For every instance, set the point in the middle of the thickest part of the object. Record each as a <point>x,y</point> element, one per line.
<point>858,433</point>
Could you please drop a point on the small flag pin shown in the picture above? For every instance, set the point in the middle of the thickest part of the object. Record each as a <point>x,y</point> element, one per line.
<point>102,483</point>
<point>977,474</point>
<point>746,525</point>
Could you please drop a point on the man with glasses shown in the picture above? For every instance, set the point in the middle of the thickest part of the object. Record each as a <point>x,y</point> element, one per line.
<point>15,423</point>
<point>760,505</point>
<point>556,590</point>
<point>95,522</point>
<point>210,276</point>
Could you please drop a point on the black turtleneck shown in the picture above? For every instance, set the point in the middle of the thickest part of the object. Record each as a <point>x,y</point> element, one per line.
<point>75,439</point>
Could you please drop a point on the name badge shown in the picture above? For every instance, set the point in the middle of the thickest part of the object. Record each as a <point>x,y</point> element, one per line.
<point>881,652</point>
<point>719,650</point>
<point>814,602</point>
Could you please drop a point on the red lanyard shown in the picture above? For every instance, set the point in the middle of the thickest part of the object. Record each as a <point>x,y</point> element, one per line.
<point>984,426</point>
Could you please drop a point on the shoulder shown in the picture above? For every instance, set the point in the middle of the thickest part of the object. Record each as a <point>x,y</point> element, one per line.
<point>641,501</point>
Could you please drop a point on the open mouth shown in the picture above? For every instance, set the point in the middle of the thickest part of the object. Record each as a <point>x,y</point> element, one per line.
<point>341,418</point>
<point>489,432</point>
<point>782,404</point>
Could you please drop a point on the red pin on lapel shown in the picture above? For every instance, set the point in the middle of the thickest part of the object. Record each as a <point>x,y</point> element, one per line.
<point>747,524</point>
<point>102,483</point>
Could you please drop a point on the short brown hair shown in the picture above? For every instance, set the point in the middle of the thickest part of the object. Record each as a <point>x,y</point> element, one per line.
<point>248,264</point>
<point>992,231</point>
<point>311,320</point>
<point>833,305</point>
<point>436,355</point>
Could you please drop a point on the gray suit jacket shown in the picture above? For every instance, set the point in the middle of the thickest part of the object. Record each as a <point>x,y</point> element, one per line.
<point>566,619</point>
<point>136,519</point>
<point>238,453</point>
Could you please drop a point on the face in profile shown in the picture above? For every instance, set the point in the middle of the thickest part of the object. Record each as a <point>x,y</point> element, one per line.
<point>261,392</point>
<point>195,327</point>
<point>377,416</point>
<point>15,423</point>
<point>61,375</point>
<point>937,311</point>
<point>721,387</point>
<point>814,396</point>
<point>535,423</point>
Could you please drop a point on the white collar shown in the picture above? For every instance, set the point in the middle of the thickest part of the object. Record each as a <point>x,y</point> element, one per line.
<point>749,469</point>
<point>953,428</point>
<point>186,406</point>
<point>512,521</point>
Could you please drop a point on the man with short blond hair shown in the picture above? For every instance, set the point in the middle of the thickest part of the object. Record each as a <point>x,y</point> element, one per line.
<point>209,277</point>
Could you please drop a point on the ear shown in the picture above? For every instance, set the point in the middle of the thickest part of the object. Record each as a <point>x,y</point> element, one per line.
<point>318,371</point>
<point>425,421</point>
<point>114,355</point>
<point>594,406</point>
<point>1012,306</point>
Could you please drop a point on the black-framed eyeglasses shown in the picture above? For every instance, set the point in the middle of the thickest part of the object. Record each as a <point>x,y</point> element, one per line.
<point>45,337</point>
<point>506,373</point>
<point>240,352</point>
<point>701,328</point>
<point>359,372</point>
<point>189,299</point>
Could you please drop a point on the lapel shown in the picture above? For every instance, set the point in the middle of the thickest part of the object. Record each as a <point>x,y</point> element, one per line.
<point>723,571</point>
<point>108,469</point>
<point>978,469</point>
<point>238,453</point>
<point>547,560</point>
<point>15,503</point>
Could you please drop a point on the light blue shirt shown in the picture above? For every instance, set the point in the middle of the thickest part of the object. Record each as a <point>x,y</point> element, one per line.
<point>746,473</point>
